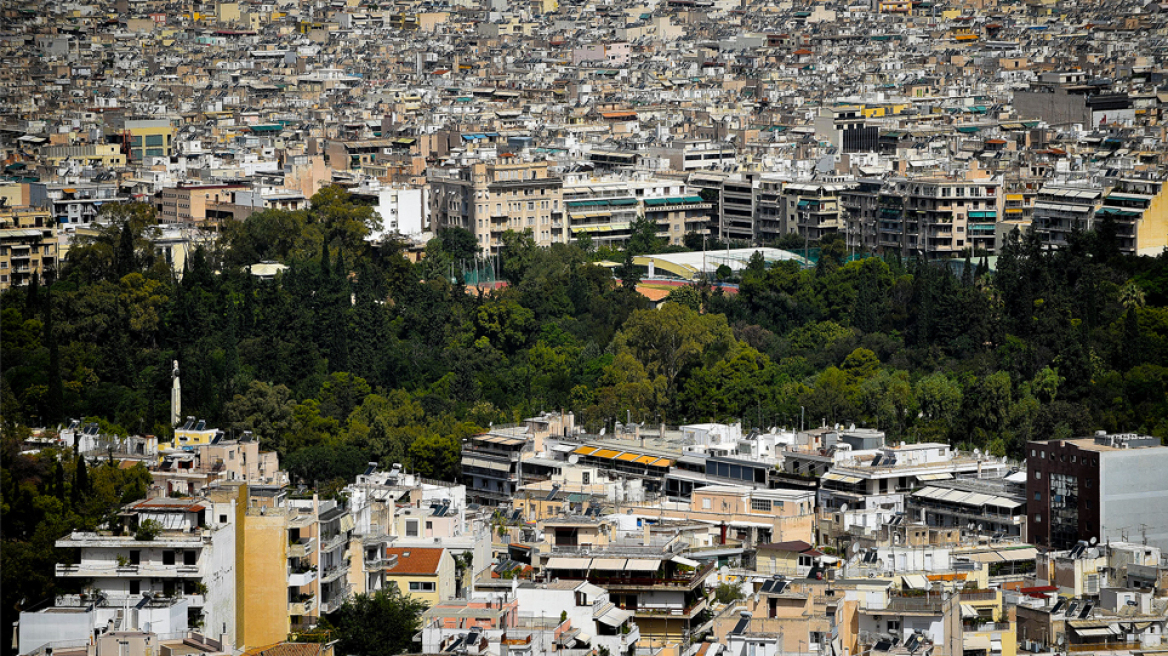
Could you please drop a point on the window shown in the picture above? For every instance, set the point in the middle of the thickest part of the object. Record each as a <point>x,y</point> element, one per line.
<point>135,587</point>
<point>706,505</point>
<point>1038,475</point>
<point>222,519</point>
<point>429,525</point>
<point>135,557</point>
<point>189,557</point>
<point>167,557</point>
<point>1038,496</point>
<point>763,505</point>
<point>1038,518</point>
<point>421,586</point>
<point>586,478</point>
<point>412,528</point>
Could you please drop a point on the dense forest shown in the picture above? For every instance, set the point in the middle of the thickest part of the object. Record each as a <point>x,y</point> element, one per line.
<point>354,353</point>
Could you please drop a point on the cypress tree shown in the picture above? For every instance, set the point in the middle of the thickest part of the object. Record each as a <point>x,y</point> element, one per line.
<point>32,301</point>
<point>80,481</point>
<point>55,400</point>
<point>125,261</point>
<point>59,481</point>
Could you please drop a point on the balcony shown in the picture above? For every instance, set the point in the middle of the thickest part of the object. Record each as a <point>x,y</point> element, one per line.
<point>336,601</point>
<point>650,612</point>
<point>333,573</point>
<point>302,549</point>
<point>333,542</point>
<point>299,579</point>
<point>108,570</point>
<point>302,607</point>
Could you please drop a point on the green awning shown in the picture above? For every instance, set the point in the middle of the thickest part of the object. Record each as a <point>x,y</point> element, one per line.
<point>983,215</point>
<point>1111,211</point>
<point>623,201</point>
<point>968,129</point>
<point>587,203</point>
<point>981,227</point>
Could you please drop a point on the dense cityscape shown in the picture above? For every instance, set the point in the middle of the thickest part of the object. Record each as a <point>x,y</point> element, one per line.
<point>584,327</point>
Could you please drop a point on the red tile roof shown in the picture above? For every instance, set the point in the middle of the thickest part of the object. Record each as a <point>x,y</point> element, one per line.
<point>415,560</point>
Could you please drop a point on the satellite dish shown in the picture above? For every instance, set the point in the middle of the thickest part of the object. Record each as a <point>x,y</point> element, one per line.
<point>602,430</point>
<point>573,459</point>
<point>843,507</point>
<point>1093,541</point>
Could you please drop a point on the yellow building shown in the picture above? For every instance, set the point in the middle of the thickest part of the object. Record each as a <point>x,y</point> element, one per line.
<point>1139,209</point>
<point>143,138</point>
<point>424,573</point>
<point>261,567</point>
<point>28,245</point>
<point>191,433</point>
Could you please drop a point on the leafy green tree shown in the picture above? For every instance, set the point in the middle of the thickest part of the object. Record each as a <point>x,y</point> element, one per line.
<point>264,409</point>
<point>321,463</point>
<point>643,239</point>
<point>668,340</point>
<point>459,243</point>
<point>380,624</point>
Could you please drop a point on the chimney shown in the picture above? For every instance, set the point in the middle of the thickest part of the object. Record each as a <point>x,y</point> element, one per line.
<point>645,526</point>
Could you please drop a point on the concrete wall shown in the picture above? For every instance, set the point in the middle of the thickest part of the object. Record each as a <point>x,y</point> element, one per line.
<point>38,628</point>
<point>219,575</point>
<point>1133,496</point>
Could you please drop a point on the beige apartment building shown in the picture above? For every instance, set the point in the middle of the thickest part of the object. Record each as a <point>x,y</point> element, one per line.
<point>490,198</point>
<point>28,245</point>
<point>201,206</point>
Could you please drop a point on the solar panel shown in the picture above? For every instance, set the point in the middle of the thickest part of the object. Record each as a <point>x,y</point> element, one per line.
<point>201,425</point>
<point>552,495</point>
<point>742,626</point>
<point>1060,604</point>
<point>370,469</point>
<point>1072,607</point>
<point>1086,610</point>
<point>876,460</point>
<point>912,643</point>
<point>883,645</point>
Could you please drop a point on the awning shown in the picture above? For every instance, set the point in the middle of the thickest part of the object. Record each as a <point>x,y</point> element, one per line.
<point>832,476</point>
<point>642,565</point>
<point>347,523</point>
<point>584,637</point>
<point>967,611</point>
<point>608,564</point>
<point>915,581</point>
<point>934,477</point>
<point>1095,633</point>
<point>615,616</point>
<point>685,561</point>
<point>567,563</point>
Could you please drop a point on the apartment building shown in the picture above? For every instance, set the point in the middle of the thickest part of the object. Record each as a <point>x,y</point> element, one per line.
<point>813,209</point>
<point>199,206</point>
<point>164,548</point>
<point>883,477</point>
<point>490,198</point>
<point>490,466</point>
<point>1060,210</point>
<point>1105,487</point>
<point>605,209</point>
<point>939,217</point>
<point>663,591</point>
<point>143,138</point>
<point>28,246</point>
<point>1139,209</point>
